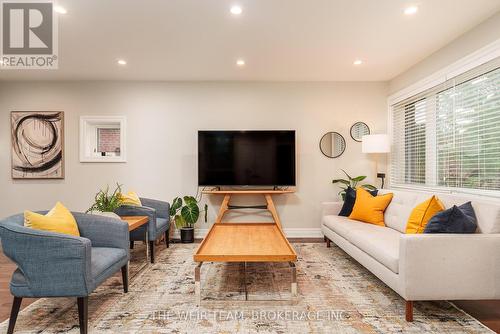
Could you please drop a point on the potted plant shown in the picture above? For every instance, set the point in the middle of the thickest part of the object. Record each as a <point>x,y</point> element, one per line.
<point>105,203</point>
<point>185,213</point>
<point>352,182</point>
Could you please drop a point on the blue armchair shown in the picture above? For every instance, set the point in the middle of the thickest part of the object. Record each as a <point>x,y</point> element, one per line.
<point>60,265</point>
<point>159,222</point>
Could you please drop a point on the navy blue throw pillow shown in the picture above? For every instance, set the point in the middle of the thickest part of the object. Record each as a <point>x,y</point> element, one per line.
<point>350,199</point>
<point>458,219</point>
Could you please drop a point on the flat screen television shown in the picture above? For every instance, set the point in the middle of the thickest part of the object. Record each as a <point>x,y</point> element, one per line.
<point>246,158</point>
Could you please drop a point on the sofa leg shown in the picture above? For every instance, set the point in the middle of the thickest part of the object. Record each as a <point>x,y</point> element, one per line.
<point>409,310</point>
<point>324,238</point>
<point>16,305</point>
<point>83,313</point>
<point>328,243</point>
<point>167,241</point>
<point>152,251</point>
<point>131,244</point>
<point>125,278</point>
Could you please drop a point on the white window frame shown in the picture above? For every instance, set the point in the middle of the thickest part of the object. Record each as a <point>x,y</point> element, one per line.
<point>87,122</point>
<point>473,60</point>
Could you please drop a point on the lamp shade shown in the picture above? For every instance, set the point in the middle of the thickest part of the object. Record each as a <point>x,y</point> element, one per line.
<point>375,144</point>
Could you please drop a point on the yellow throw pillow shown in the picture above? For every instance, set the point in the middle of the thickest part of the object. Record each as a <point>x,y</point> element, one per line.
<point>59,220</point>
<point>370,209</point>
<point>422,213</point>
<point>130,198</point>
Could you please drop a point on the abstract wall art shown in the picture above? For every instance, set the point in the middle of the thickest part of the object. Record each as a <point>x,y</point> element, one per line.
<point>37,144</point>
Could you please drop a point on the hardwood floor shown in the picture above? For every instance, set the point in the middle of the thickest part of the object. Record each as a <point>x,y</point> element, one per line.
<point>486,311</point>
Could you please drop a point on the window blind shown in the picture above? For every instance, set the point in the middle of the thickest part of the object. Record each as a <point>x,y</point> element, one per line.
<point>449,135</point>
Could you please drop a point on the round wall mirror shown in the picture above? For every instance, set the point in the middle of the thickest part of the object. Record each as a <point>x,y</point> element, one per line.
<point>358,130</point>
<point>332,144</point>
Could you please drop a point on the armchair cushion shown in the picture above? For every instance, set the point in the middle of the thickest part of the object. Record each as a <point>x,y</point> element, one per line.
<point>105,262</point>
<point>59,219</point>
<point>130,198</point>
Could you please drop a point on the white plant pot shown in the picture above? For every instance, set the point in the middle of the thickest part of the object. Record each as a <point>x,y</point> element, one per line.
<point>106,214</point>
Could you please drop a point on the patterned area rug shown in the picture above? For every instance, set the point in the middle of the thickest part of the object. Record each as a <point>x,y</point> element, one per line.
<point>336,295</point>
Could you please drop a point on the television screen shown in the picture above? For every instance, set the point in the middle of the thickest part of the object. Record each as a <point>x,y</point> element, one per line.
<point>246,158</point>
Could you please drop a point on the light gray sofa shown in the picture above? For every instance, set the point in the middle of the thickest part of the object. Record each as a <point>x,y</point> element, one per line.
<point>423,266</point>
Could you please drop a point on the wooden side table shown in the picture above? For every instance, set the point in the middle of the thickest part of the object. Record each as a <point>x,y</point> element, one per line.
<point>134,222</point>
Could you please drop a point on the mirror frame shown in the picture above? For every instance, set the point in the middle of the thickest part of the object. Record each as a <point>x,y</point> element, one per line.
<point>336,156</point>
<point>352,126</point>
<point>86,121</point>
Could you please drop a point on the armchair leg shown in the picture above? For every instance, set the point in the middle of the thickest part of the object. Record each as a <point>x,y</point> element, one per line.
<point>167,237</point>
<point>328,243</point>
<point>152,251</point>
<point>409,311</point>
<point>131,244</point>
<point>125,278</point>
<point>83,313</point>
<point>16,305</point>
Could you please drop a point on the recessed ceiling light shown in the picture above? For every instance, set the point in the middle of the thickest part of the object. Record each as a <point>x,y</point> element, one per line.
<point>60,10</point>
<point>121,62</point>
<point>240,62</point>
<point>411,10</point>
<point>236,10</point>
<point>358,62</point>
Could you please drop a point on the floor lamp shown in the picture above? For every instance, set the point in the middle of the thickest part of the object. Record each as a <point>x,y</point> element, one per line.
<point>376,144</point>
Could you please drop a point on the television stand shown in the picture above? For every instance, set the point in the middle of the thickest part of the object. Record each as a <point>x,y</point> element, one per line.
<point>267,193</point>
<point>245,241</point>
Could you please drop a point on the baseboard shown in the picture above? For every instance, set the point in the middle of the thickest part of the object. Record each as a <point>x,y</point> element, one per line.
<point>289,232</point>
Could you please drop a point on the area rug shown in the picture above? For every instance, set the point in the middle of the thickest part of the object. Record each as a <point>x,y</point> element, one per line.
<point>335,295</point>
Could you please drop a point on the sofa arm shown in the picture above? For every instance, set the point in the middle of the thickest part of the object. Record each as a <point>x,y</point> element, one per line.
<point>449,266</point>
<point>331,208</point>
<point>103,231</point>
<point>53,264</point>
<point>131,210</point>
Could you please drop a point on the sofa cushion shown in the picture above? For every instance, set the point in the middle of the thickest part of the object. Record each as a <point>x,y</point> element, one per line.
<point>458,219</point>
<point>397,213</point>
<point>422,213</point>
<point>381,243</point>
<point>350,199</point>
<point>370,209</point>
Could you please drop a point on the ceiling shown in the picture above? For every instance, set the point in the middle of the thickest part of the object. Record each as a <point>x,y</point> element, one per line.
<point>280,40</point>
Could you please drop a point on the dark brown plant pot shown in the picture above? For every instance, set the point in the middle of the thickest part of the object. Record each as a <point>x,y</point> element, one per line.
<point>187,235</point>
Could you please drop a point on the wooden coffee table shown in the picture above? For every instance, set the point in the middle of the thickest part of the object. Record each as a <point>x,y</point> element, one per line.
<point>245,241</point>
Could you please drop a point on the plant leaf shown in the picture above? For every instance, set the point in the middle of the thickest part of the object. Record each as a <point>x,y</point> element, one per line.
<point>179,221</point>
<point>369,186</point>
<point>359,178</point>
<point>348,176</point>
<point>176,204</point>
<point>341,181</point>
<point>189,200</point>
<point>190,213</point>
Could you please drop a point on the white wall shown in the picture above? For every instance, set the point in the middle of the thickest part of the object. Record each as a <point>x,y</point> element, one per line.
<point>473,40</point>
<point>162,122</point>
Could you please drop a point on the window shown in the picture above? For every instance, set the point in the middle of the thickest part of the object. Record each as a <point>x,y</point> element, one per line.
<point>449,136</point>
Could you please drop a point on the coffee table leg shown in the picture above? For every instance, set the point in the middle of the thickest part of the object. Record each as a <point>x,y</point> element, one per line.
<point>197,283</point>
<point>294,279</point>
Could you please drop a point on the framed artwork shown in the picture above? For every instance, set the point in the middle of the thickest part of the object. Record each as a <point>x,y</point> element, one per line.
<point>37,139</point>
